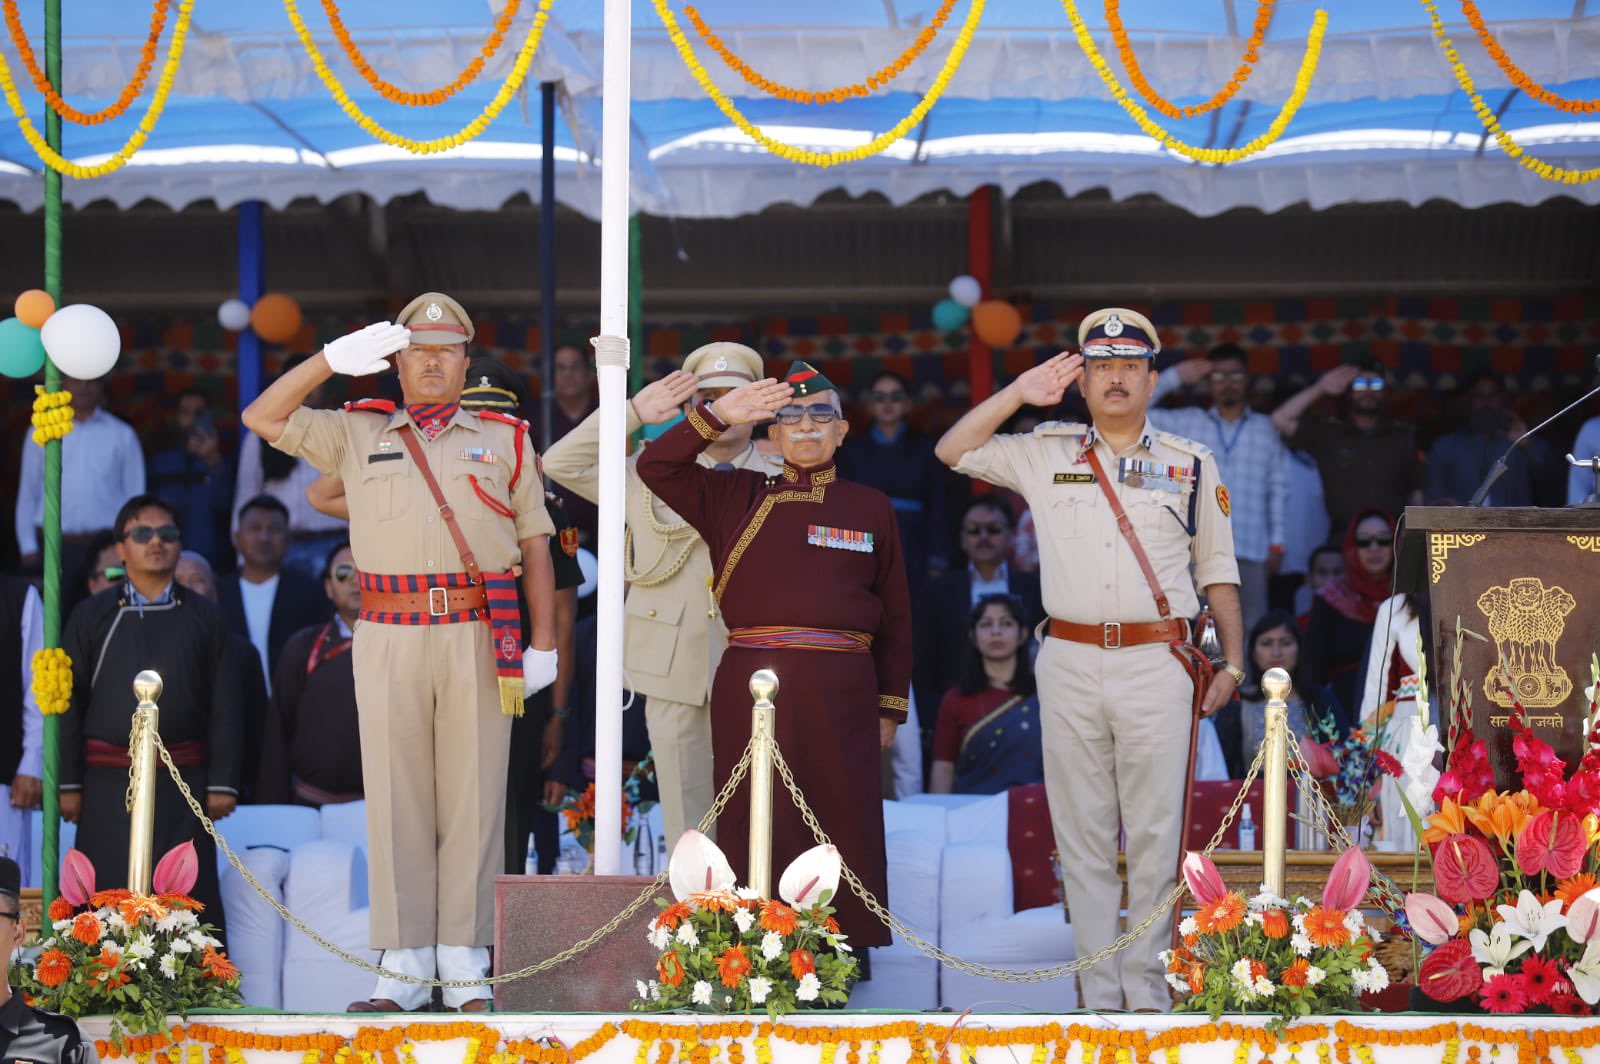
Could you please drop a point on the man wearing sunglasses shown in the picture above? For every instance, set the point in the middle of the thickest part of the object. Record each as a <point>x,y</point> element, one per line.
<point>1367,461</point>
<point>806,568</point>
<point>150,621</point>
<point>28,1034</point>
<point>1132,522</point>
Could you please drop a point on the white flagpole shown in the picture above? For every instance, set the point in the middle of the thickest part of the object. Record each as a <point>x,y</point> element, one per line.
<point>611,359</point>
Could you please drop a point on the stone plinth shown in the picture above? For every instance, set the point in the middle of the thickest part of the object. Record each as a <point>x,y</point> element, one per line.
<point>537,917</point>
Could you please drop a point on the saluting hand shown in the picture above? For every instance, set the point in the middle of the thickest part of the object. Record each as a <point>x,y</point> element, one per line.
<point>753,402</point>
<point>1046,383</point>
<point>659,400</point>
<point>366,351</point>
<point>1337,379</point>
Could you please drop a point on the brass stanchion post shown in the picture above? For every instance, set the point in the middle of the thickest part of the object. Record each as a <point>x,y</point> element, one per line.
<point>763,686</point>
<point>1275,780</point>
<point>142,782</point>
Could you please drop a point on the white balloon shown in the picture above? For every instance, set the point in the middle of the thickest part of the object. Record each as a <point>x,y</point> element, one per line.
<point>82,341</point>
<point>966,290</point>
<point>234,314</point>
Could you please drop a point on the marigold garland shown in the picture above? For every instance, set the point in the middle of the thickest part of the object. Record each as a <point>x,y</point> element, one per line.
<point>135,141</point>
<point>1218,156</point>
<point>52,411</point>
<point>470,131</point>
<point>958,51</point>
<point>394,94</point>
<point>130,91</point>
<point>52,680</point>
<point>844,92</point>
<point>1485,113</point>
<point>1130,62</point>
<point>1516,74</point>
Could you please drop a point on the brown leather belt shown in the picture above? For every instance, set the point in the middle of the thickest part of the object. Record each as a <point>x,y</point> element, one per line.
<point>1114,634</point>
<point>430,602</point>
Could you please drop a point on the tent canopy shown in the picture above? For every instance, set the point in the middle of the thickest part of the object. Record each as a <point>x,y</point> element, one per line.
<point>249,118</point>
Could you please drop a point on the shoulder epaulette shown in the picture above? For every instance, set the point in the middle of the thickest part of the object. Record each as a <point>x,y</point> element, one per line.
<point>372,406</point>
<point>1060,428</point>
<point>505,419</point>
<point>1183,443</point>
<point>522,425</point>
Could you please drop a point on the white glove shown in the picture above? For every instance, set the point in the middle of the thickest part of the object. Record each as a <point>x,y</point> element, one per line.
<point>538,671</point>
<point>366,351</point>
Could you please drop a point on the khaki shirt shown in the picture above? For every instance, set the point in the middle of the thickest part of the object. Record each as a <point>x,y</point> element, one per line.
<point>1088,572</point>
<point>674,635</point>
<point>395,527</point>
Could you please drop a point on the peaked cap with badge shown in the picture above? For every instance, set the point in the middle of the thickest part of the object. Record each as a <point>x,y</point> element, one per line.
<point>807,379</point>
<point>493,385</point>
<point>724,365</point>
<point>1117,332</point>
<point>434,318</point>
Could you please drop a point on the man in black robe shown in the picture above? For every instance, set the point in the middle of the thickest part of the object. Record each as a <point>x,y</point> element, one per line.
<point>149,621</point>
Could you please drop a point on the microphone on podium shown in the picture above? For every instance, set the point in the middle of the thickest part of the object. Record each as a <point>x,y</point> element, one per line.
<point>1498,470</point>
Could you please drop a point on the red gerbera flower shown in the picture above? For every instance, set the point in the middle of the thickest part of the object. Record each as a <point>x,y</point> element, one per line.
<point>1568,1005</point>
<point>1539,977</point>
<point>669,969</point>
<point>1504,993</point>
<point>801,962</point>
<point>1389,763</point>
<point>733,966</point>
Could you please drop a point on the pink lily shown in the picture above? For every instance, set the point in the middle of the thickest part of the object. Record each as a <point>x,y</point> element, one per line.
<point>1348,882</point>
<point>177,870</point>
<point>77,878</point>
<point>1433,919</point>
<point>1204,881</point>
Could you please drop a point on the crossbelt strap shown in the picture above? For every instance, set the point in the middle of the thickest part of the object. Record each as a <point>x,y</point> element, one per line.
<point>1125,526</point>
<point>446,511</point>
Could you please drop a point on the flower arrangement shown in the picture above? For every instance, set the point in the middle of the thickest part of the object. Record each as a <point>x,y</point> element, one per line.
<point>136,957</point>
<point>1353,766</point>
<point>1268,954</point>
<point>577,810</point>
<point>729,950</point>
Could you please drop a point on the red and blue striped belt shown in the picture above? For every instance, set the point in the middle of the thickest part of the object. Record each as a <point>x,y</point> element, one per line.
<point>448,598</point>
<point>786,637</point>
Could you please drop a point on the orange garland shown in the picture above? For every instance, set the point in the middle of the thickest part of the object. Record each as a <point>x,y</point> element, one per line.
<point>502,24</point>
<point>1515,73</point>
<point>130,91</point>
<point>1252,52</point>
<point>843,92</point>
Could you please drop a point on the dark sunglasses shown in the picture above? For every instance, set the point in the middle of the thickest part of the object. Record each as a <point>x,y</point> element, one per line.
<point>142,534</point>
<point>1367,384</point>
<point>886,397</point>
<point>983,530</point>
<point>343,572</point>
<point>1374,541</point>
<point>821,414</point>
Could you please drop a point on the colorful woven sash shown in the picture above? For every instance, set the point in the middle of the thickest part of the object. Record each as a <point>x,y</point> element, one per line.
<point>785,637</point>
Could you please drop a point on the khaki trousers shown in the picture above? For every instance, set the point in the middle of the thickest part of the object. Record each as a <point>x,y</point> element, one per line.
<point>1116,748</point>
<point>680,738</point>
<point>433,763</point>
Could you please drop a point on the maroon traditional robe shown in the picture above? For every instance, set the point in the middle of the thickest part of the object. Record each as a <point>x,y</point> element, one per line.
<point>768,571</point>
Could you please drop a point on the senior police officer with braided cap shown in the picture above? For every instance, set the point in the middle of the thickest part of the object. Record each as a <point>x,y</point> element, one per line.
<point>30,1035</point>
<point>446,515</point>
<point>1117,695</point>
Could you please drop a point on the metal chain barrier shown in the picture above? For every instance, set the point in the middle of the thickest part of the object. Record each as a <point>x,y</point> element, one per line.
<point>136,729</point>
<point>982,971</point>
<point>740,770</point>
<point>1388,891</point>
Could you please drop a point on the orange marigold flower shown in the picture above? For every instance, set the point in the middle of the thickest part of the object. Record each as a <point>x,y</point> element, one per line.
<point>733,966</point>
<point>776,916</point>
<point>1325,927</point>
<point>1297,973</point>
<point>136,906</point>
<point>669,969</point>
<point>103,898</point>
<point>673,915</point>
<point>53,968</point>
<point>86,928</point>
<point>60,909</point>
<point>1223,914</point>
<point>1570,890</point>
<point>1275,923</point>
<point>217,965</point>
<point>801,962</point>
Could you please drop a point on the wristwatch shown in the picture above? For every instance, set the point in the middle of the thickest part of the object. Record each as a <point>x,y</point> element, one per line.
<point>1234,671</point>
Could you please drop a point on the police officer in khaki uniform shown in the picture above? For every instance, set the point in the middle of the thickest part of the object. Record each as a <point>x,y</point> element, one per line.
<point>439,665</point>
<point>1116,702</point>
<point>674,635</point>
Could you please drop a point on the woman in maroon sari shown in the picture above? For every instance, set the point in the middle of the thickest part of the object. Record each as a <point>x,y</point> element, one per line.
<point>808,573</point>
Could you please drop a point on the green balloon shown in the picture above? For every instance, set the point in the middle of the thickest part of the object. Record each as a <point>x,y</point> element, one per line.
<point>21,350</point>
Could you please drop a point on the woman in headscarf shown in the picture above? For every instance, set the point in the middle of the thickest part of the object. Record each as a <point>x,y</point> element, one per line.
<point>1345,610</point>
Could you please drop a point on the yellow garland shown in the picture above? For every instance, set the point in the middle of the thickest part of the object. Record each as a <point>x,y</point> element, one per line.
<point>52,680</point>
<point>135,141</point>
<point>1485,113</point>
<point>1219,156</point>
<point>958,51</point>
<point>52,411</point>
<point>424,147</point>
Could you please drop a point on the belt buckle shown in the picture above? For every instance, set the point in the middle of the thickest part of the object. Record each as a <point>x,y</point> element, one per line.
<point>438,601</point>
<point>1111,630</point>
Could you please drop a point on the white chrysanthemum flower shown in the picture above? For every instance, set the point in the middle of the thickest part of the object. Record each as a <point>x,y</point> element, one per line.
<point>771,946</point>
<point>1178,983</point>
<point>655,990</point>
<point>759,989</point>
<point>1361,979</point>
<point>810,986</point>
<point>1315,975</point>
<point>62,926</point>
<point>743,919</point>
<point>169,966</point>
<point>1301,944</point>
<point>141,947</point>
<point>1165,956</point>
<point>702,993</point>
<point>1267,900</point>
<point>1377,975</point>
<point>177,921</point>
<point>644,991</point>
<point>1254,918</point>
<point>659,937</point>
<point>115,922</point>
<point>747,893</point>
<point>1188,926</point>
<point>1299,922</point>
<point>687,935</point>
<point>1264,986</point>
<point>1353,922</point>
<point>180,945</point>
<point>1241,974</point>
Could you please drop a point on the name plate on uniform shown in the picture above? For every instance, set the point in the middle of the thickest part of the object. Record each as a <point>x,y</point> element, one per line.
<point>1074,478</point>
<point>839,538</point>
<point>386,456</point>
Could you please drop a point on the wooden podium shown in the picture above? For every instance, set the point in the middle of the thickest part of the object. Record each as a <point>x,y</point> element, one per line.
<point>1525,585</point>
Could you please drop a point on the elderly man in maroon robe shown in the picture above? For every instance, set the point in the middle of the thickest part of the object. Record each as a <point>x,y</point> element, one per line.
<point>808,572</point>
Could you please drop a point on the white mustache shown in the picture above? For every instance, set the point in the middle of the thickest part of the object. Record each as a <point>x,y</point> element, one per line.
<point>799,436</point>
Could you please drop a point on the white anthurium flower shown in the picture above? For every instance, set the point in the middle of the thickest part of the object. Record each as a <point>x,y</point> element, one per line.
<point>812,878</point>
<point>1530,920</point>
<point>698,866</point>
<point>810,986</point>
<point>1585,975</point>
<point>743,919</point>
<point>1496,949</point>
<point>760,987</point>
<point>702,993</point>
<point>771,946</point>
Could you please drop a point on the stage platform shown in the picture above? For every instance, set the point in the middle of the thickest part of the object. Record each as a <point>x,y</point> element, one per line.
<point>876,1037</point>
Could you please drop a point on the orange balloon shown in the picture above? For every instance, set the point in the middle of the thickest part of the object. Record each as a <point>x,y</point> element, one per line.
<point>996,322</point>
<point>276,318</point>
<point>34,306</point>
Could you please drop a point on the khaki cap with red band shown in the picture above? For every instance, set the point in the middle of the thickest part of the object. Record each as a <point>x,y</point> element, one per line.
<point>724,365</point>
<point>435,318</point>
